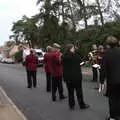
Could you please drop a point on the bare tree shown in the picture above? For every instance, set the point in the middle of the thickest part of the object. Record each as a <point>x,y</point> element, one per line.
<point>100,12</point>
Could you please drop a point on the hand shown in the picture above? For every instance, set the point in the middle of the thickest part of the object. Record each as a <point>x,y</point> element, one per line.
<point>101,88</point>
<point>82,63</point>
<point>99,57</point>
<point>60,56</point>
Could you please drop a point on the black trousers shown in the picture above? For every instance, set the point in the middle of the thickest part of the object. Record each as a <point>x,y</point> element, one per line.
<point>77,87</point>
<point>48,81</point>
<point>31,78</point>
<point>95,74</point>
<point>57,84</point>
<point>114,101</point>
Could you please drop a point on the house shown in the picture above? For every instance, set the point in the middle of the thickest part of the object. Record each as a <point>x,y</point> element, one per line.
<point>13,50</point>
<point>10,51</point>
<point>5,52</point>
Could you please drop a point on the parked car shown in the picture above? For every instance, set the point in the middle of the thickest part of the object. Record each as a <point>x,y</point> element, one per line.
<point>7,60</point>
<point>2,60</point>
<point>40,54</point>
<point>1,57</point>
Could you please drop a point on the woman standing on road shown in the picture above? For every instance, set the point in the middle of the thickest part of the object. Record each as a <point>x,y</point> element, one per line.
<point>73,76</point>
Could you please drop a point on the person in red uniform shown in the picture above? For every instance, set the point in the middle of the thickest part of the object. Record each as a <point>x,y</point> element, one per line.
<point>31,63</point>
<point>48,67</point>
<point>57,73</point>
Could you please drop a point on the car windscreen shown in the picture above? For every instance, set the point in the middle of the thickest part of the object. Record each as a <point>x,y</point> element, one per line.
<point>39,54</point>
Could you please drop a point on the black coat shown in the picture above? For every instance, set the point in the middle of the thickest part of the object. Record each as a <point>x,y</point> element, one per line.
<point>71,67</point>
<point>110,67</point>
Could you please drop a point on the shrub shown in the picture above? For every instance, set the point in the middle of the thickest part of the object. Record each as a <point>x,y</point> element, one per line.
<point>18,56</point>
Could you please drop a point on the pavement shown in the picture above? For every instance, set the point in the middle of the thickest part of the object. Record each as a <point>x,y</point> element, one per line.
<point>36,104</point>
<point>8,110</point>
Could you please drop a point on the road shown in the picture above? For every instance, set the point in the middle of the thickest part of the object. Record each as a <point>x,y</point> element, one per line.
<point>36,104</point>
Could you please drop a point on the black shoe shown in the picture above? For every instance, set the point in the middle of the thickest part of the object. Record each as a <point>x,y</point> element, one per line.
<point>29,87</point>
<point>85,106</point>
<point>62,97</point>
<point>48,90</point>
<point>53,99</point>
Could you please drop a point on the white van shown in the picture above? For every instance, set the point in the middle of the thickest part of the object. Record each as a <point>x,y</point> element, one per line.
<point>39,53</point>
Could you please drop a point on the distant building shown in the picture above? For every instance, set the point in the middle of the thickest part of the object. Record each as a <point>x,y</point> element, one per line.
<point>5,52</point>
<point>10,51</point>
<point>13,50</point>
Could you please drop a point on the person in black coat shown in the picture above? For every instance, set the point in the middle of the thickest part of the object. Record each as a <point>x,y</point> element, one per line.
<point>72,75</point>
<point>110,69</point>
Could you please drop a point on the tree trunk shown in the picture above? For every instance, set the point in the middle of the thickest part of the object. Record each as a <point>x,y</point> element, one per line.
<point>63,16</point>
<point>85,14</point>
<point>83,7</point>
<point>100,12</point>
<point>72,17</point>
<point>47,10</point>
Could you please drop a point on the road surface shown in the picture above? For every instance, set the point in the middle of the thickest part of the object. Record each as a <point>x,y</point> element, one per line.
<point>36,104</point>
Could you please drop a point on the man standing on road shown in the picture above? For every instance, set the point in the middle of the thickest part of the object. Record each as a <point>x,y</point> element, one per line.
<point>57,73</point>
<point>110,69</point>
<point>73,76</point>
<point>31,63</point>
<point>48,67</point>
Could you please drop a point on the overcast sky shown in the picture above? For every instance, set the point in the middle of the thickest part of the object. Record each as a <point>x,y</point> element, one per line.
<point>11,11</point>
